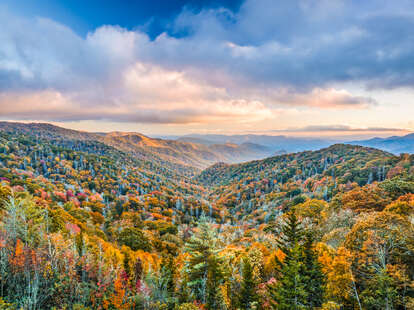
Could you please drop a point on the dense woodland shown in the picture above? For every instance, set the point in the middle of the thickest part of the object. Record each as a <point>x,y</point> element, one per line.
<point>86,225</point>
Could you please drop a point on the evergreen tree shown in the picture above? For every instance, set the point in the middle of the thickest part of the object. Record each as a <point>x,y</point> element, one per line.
<point>248,287</point>
<point>301,281</point>
<point>204,265</point>
<point>292,234</point>
<point>315,279</point>
<point>126,264</point>
<point>215,276</point>
<point>290,292</point>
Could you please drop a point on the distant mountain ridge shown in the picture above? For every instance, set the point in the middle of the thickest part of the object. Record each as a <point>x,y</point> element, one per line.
<point>394,144</point>
<point>275,143</point>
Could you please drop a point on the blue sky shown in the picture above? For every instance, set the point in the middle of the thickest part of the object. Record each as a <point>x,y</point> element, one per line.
<point>153,16</point>
<point>299,67</point>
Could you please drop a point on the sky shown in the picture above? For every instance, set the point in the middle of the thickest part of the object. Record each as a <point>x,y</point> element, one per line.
<point>293,67</point>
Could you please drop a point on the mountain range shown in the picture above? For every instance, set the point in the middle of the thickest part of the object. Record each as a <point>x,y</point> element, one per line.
<point>278,144</point>
<point>193,153</point>
<point>394,144</point>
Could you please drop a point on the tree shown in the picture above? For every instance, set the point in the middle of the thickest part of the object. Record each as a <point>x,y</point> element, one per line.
<point>292,233</point>
<point>187,306</point>
<point>134,238</point>
<point>204,269</point>
<point>397,187</point>
<point>248,287</point>
<point>163,285</point>
<point>382,251</point>
<point>301,281</point>
<point>289,292</point>
<point>315,279</point>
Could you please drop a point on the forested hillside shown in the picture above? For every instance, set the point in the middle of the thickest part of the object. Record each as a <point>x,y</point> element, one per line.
<point>87,223</point>
<point>186,157</point>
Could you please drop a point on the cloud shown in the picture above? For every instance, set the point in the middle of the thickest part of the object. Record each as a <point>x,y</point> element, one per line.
<point>232,66</point>
<point>331,99</point>
<point>146,94</point>
<point>301,44</point>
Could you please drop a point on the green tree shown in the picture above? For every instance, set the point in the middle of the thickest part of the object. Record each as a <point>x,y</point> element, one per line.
<point>301,281</point>
<point>248,293</point>
<point>204,267</point>
<point>134,238</point>
<point>381,292</point>
<point>315,279</point>
<point>292,234</point>
<point>299,270</point>
<point>289,292</point>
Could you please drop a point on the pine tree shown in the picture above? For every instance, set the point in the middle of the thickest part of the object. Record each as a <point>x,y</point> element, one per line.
<point>248,287</point>
<point>315,280</point>
<point>215,276</point>
<point>292,234</point>
<point>204,265</point>
<point>290,292</point>
<point>301,281</point>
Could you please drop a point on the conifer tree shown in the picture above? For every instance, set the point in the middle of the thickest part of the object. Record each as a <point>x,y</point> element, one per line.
<point>248,287</point>
<point>215,276</point>
<point>204,265</point>
<point>301,281</point>
<point>315,280</point>
<point>292,233</point>
<point>290,292</point>
<point>126,264</point>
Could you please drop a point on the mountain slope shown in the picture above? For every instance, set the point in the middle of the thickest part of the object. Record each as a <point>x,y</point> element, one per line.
<point>185,153</point>
<point>186,158</point>
<point>58,134</point>
<point>308,163</point>
<point>264,188</point>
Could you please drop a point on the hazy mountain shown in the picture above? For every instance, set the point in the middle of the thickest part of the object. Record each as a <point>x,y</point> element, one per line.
<point>186,153</point>
<point>394,144</point>
<point>194,140</point>
<point>275,143</point>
